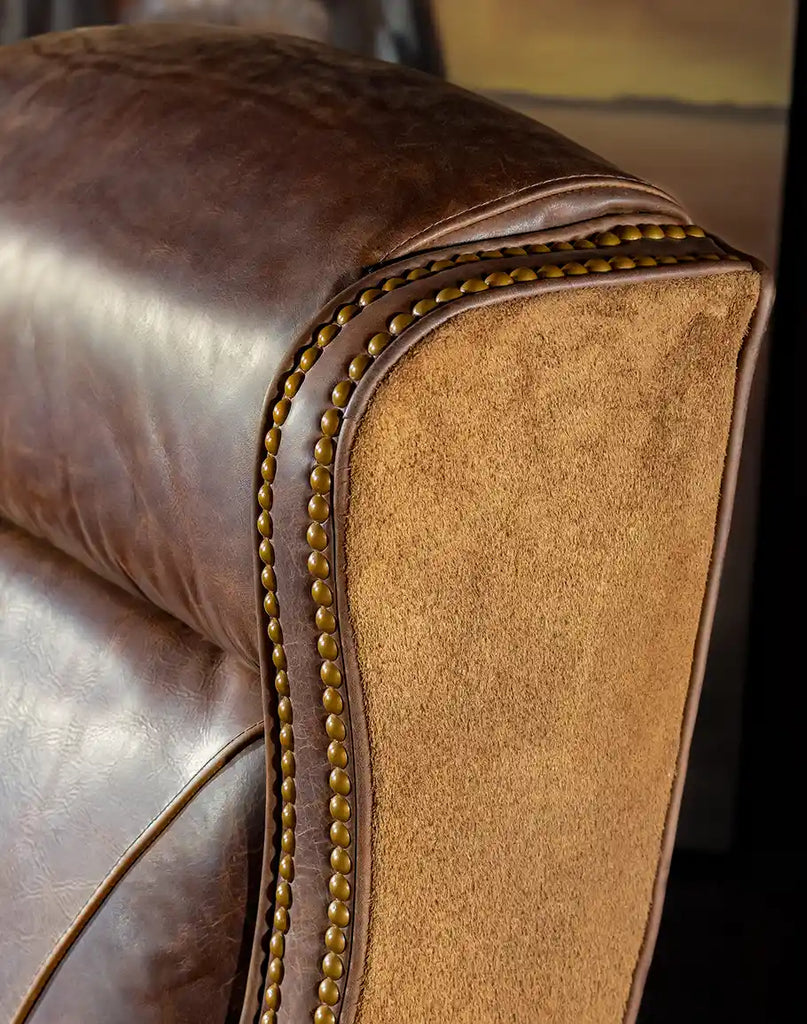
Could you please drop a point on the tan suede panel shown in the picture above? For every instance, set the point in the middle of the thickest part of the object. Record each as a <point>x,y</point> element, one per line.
<point>532,508</point>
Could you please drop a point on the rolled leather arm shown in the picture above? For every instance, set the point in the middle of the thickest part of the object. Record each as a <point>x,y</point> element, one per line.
<point>482,395</point>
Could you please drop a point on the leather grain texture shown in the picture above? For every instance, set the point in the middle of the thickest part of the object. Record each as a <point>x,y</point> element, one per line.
<point>108,708</point>
<point>176,206</point>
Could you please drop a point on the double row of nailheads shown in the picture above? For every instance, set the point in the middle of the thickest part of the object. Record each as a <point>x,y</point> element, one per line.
<point>322,587</point>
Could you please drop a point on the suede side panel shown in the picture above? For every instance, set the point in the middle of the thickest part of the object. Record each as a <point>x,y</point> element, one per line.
<point>532,509</point>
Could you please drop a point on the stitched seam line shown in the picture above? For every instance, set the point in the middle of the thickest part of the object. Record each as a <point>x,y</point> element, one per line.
<point>128,859</point>
<point>539,192</point>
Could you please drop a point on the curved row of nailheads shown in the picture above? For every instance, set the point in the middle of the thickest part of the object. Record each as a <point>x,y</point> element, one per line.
<point>332,968</point>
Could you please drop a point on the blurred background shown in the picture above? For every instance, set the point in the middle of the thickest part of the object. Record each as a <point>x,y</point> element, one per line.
<point>701,98</point>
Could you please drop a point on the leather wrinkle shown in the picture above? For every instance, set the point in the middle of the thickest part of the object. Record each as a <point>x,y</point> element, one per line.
<point>148,836</point>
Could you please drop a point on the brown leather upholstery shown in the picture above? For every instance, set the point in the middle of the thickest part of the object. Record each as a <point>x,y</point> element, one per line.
<point>179,209</point>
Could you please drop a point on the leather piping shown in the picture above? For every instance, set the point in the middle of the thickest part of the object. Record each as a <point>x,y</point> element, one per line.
<point>128,859</point>
<point>526,196</point>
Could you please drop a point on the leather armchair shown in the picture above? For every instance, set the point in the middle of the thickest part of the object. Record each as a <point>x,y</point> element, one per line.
<point>367,454</point>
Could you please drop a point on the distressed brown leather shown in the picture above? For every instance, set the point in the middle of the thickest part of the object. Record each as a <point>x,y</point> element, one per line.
<point>108,709</point>
<point>186,197</point>
<point>179,208</point>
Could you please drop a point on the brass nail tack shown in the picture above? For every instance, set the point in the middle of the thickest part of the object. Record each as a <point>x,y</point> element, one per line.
<point>308,358</point>
<point>272,440</point>
<point>339,808</point>
<point>332,701</point>
<point>397,324</point>
<point>335,939</point>
<point>335,727</point>
<point>281,411</point>
<point>498,280</point>
<point>347,313</point>
<point>358,367</point>
<point>265,524</point>
<point>341,393</point>
<point>327,646</point>
<point>378,342</point>
<point>598,266</point>
<point>330,673</point>
<point>318,508</point>
<point>338,914</point>
<point>339,887</point>
<point>325,620</point>
<point>329,992</point>
<point>423,306</point>
<point>293,382</point>
<point>523,274</point>
<point>318,565</point>
<point>320,480</point>
<point>337,755</point>
<point>339,781</point>
<point>473,284</point>
<point>340,860</point>
<point>340,834</point>
<point>317,537</point>
<point>332,966</point>
<point>265,497</point>
<point>393,283</point>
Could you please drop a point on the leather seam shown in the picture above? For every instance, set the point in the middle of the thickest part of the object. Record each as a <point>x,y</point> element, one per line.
<point>135,850</point>
<point>538,192</point>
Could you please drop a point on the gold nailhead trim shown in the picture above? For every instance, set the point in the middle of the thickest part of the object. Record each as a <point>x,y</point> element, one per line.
<point>378,342</point>
<point>332,966</point>
<point>335,727</point>
<point>335,939</point>
<point>523,274</point>
<point>308,358</point>
<point>423,307</point>
<point>329,992</point>
<point>397,324</point>
<point>340,834</point>
<point>318,508</point>
<point>340,860</point>
<point>338,914</point>
<point>368,296</point>
<point>498,280</point>
<point>347,313</point>
<point>337,754</point>
<point>598,266</point>
<point>393,283</point>
<point>319,566</point>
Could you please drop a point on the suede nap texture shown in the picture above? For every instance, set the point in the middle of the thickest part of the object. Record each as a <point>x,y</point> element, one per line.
<point>533,493</point>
